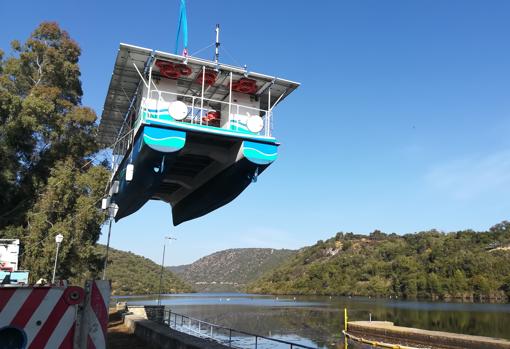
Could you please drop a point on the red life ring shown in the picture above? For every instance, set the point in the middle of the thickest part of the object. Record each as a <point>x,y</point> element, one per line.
<point>245,85</point>
<point>209,77</point>
<point>168,69</point>
<point>163,64</point>
<point>247,82</point>
<point>173,74</point>
<point>212,116</point>
<point>184,69</point>
<point>245,89</point>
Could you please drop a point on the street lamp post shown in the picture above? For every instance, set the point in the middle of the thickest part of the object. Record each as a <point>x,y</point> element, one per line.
<point>58,240</point>
<point>112,211</point>
<point>162,267</point>
<point>107,248</point>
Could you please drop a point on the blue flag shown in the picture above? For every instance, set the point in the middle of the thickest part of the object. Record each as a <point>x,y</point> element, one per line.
<point>183,23</point>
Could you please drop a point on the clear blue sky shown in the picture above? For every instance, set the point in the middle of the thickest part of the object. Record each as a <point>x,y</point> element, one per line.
<point>407,104</point>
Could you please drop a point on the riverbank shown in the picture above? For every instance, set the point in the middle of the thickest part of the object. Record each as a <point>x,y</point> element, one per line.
<point>447,298</point>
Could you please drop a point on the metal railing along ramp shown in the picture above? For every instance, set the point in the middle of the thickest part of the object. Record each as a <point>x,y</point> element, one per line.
<point>225,335</point>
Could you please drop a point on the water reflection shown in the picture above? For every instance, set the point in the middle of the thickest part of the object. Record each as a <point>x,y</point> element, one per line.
<point>318,321</point>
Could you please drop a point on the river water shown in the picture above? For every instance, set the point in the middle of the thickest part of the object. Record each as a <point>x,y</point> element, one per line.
<point>318,321</point>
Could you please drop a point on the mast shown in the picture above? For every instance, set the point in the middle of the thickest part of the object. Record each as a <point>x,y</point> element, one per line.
<point>217,50</point>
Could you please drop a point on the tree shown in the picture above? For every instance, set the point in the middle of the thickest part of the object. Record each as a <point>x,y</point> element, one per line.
<point>423,265</point>
<point>41,117</point>
<point>434,285</point>
<point>48,180</point>
<point>67,206</point>
<point>481,285</point>
<point>377,235</point>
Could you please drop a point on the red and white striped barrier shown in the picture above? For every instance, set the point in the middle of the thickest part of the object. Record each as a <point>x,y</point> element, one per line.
<point>55,317</point>
<point>44,316</point>
<point>95,315</point>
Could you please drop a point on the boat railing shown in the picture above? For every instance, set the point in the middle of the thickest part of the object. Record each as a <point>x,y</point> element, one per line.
<point>199,108</point>
<point>224,335</point>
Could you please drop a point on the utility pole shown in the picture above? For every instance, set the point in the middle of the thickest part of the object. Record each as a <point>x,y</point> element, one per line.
<point>162,267</point>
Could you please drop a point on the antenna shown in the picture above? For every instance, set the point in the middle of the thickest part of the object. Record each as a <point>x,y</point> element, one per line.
<point>217,50</point>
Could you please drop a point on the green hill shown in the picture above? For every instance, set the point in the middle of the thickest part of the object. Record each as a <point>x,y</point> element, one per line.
<point>133,274</point>
<point>230,270</point>
<point>466,264</point>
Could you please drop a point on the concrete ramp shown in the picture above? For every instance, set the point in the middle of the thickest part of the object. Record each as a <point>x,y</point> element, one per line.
<point>434,339</point>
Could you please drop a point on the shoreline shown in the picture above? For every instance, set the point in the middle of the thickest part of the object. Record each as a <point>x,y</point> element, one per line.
<point>449,300</point>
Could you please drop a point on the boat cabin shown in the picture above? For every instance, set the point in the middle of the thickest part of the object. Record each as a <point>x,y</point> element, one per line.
<point>186,130</point>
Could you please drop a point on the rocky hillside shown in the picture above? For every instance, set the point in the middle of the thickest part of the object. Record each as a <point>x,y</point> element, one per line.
<point>231,270</point>
<point>465,265</point>
<point>133,274</point>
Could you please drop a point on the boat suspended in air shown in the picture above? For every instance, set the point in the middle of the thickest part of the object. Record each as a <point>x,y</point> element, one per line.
<point>188,131</point>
